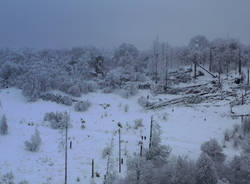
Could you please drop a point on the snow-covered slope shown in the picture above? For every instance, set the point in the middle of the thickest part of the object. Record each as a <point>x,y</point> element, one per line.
<point>184,128</point>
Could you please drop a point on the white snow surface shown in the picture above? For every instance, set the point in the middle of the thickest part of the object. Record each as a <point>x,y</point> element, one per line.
<point>184,128</point>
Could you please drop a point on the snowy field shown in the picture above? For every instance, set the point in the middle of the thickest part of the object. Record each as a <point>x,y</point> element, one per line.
<point>184,128</point>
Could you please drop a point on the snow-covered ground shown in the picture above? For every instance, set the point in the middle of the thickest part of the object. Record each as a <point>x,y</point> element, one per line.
<point>184,128</point>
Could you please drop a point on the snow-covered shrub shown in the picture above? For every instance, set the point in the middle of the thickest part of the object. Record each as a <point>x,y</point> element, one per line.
<point>129,90</point>
<point>213,150</point>
<point>57,98</point>
<point>57,120</point>
<point>66,100</point>
<point>7,178</point>
<point>246,125</point>
<point>82,106</point>
<point>126,108</point>
<point>3,126</point>
<point>35,142</point>
<point>88,86</point>
<point>140,77</point>
<point>65,85</point>
<point>143,101</point>
<point>246,144</point>
<point>194,100</point>
<point>138,123</point>
<point>227,135</point>
<point>108,90</point>
<point>23,182</point>
<point>31,90</point>
<point>75,91</point>
<point>157,88</point>
<point>184,171</point>
<point>106,151</point>
<point>236,141</point>
<point>158,153</point>
<point>113,79</point>
<point>239,169</point>
<point>236,129</point>
<point>206,172</point>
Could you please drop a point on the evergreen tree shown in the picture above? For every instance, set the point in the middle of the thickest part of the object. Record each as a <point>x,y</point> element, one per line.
<point>206,173</point>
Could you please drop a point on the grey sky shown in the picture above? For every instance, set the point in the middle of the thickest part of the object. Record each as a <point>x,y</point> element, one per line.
<point>107,23</point>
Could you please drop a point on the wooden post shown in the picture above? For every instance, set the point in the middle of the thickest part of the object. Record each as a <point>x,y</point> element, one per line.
<point>93,169</point>
<point>239,61</point>
<point>66,154</point>
<point>141,150</point>
<point>219,79</point>
<point>195,70</point>
<point>248,76</point>
<point>119,150</point>
<point>242,99</point>
<point>151,131</point>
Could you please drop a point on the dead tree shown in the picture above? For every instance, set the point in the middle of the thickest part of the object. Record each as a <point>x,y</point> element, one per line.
<point>151,132</point>
<point>206,70</point>
<point>210,60</point>
<point>119,131</point>
<point>166,79</point>
<point>239,61</point>
<point>248,76</point>
<point>92,169</point>
<point>195,70</point>
<point>66,153</point>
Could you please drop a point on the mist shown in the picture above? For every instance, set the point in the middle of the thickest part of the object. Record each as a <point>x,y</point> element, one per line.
<point>108,23</point>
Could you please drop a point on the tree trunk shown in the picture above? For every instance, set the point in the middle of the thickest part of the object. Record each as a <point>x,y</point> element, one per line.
<point>248,76</point>
<point>66,154</point>
<point>210,60</point>
<point>195,70</point>
<point>239,61</point>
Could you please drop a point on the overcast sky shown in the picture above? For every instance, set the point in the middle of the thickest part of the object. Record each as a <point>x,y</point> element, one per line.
<point>108,23</point>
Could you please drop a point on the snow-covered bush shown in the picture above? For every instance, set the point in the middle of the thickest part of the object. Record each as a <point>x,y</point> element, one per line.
<point>227,135</point>
<point>88,86</point>
<point>57,120</point>
<point>143,101</point>
<point>126,108</point>
<point>236,141</point>
<point>3,126</point>
<point>35,142</point>
<point>138,123</point>
<point>31,90</point>
<point>75,91</point>
<point>23,182</point>
<point>57,98</point>
<point>129,90</point>
<point>213,150</point>
<point>108,90</point>
<point>246,144</point>
<point>7,178</point>
<point>106,151</point>
<point>194,100</point>
<point>82,106</point>
<point>66,100</point>
<point>239,169</point>
<point>246,126</point>
<point>157,153</point>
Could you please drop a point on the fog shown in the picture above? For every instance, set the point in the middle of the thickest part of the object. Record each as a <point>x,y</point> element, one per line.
<point>108,23</point>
